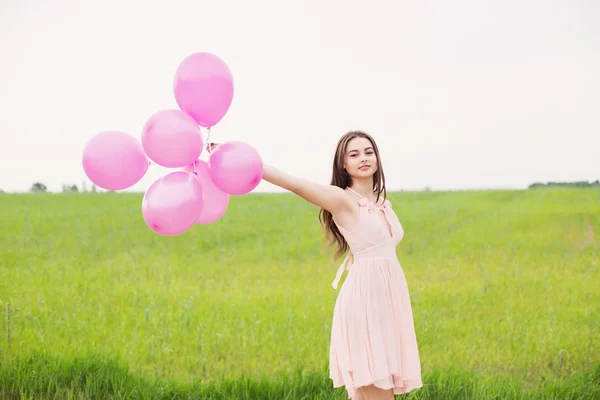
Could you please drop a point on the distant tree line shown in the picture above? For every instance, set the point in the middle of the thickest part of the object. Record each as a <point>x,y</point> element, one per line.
<point>39,187</point>
<point>580,184</point>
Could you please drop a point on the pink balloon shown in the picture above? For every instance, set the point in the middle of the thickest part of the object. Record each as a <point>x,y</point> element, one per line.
<point>173,203</point>
<point>235,167</point>
<point>114,160</point>
<point>172,138</point>
<point>215,200</point>
<point>204,88</point>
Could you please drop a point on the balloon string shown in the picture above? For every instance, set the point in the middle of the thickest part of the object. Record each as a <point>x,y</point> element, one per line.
<point>208,140</point>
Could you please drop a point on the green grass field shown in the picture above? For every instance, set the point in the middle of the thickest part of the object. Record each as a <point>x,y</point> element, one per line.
<point>505,289</point>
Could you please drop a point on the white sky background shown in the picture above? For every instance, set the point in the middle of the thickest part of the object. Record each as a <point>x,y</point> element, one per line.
<point>458,94</point>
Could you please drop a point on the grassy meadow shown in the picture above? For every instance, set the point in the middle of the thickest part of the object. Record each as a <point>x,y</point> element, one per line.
<point>505,289</point>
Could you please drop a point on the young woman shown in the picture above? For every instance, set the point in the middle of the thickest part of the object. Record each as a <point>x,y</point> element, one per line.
<point>373,350</point>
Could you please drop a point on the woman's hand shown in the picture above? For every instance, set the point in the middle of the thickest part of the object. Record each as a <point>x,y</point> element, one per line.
<point>211,146</point>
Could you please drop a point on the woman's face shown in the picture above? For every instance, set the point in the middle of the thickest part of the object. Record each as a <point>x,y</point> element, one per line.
<point>360,160</point>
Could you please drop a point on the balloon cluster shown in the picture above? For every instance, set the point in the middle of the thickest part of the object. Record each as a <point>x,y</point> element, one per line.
<point>197,193</point>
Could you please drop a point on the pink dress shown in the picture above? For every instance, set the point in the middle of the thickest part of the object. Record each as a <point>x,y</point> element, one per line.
<point>373,339</point>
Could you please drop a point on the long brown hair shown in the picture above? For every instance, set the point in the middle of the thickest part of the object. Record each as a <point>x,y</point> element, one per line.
<point>341,178</point>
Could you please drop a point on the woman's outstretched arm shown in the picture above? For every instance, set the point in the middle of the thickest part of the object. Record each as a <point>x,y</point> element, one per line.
<point>329,197</point>
<point>332,198</point>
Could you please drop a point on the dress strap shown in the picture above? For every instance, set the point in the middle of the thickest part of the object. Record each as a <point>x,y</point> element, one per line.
<point>345,265</point>
<point>353,191</point>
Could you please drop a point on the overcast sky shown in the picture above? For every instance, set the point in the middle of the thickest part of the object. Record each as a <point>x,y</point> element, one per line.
<point>458,94</point>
